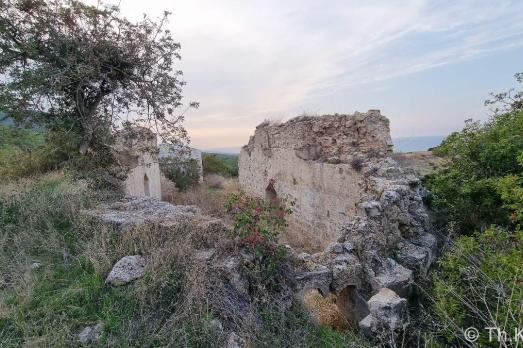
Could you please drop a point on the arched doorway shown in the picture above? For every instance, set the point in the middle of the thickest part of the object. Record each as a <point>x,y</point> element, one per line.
<point>146,189</point>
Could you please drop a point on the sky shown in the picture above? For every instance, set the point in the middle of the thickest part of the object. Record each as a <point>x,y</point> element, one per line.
<point>426,64</point>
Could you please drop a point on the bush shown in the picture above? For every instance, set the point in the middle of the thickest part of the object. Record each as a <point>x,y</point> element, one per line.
<point>483,159</point>
<point>480,195</point>
<point>184,174</point>
<point>258,223</point>
<point>225,165</point>
<point>23,152</point>
<point>478,284</point>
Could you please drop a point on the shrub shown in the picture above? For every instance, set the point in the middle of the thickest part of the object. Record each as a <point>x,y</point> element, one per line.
<point>480,195</point>
<point>478,284</point>
<point>483,159</point>
<point>23,152</point>
<point>184,174</point>
<point>258,223</point>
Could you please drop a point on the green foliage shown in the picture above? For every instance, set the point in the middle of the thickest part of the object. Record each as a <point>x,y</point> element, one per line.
<point>257,220</point>
<point>184,174</point>
<point>480,185</point>
<point>88,67</point>
<point>224,165</point>
<point>480,194</point>
<point>478,284</point>
<point>22,152</point>
<point>259,223</point>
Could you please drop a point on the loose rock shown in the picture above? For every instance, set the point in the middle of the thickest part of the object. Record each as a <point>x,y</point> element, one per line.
<point>126,270</point>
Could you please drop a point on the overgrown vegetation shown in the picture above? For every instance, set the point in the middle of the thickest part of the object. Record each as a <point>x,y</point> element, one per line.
<point>53,262</point>
<point>259,223</point>
<point>21,152</point>
<point>53,265</point>
<point>485,168</point>
<point>221,164</point>
<point>184,173</point>
<point>478,279</point>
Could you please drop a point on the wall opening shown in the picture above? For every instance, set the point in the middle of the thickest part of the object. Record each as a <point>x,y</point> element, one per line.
<point>352,305</point>
<point>271,194</point>
<point>324,309</point>
<point>146,188</point>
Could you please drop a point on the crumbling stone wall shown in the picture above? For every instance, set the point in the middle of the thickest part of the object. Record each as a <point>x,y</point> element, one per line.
<point>137,151</point>
<point>315,161</point>
<point>362,213</point>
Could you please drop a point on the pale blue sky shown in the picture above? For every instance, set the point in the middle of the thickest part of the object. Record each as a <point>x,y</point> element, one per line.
<point>427,64</point>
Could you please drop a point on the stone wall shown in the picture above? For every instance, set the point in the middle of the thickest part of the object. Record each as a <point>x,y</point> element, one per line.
<point>137,151</point>
<point>315,161</point>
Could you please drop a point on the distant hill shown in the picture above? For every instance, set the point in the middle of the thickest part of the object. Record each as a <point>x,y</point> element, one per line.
<point>224,150</point>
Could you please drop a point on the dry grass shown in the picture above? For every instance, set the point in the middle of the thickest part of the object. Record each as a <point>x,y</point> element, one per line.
<point>324,309</point>
<point>208,198</point>
<point>214,181</point>
<point>422,162</point>
<point>46,306</point>
<point>169,306</point>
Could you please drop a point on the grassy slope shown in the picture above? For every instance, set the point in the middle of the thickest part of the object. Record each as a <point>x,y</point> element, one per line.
<point>19,151</point>
<point>48,305</point>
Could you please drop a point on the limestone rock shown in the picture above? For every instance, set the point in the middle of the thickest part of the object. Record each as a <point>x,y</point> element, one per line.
<point>204,255</point>
<point>90,334</point>
<point>336,248</point>
<point>36,265</point>
<point>126,270</point>
<point>229,268</point>
<point>216,326</point>
<point>395,277</point>
<point>388,312</point>
<point>414,256</point>
<point>320,278</point>
<point>346,273</point>
<point>135,211</point>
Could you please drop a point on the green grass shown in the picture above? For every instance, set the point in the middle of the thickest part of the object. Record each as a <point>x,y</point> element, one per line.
<point>22,152</point>
<point>49,305</point>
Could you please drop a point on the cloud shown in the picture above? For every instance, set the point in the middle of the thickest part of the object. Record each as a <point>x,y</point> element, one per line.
<point>248,60</point>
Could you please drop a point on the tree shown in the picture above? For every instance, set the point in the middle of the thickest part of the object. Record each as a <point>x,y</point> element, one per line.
<point>84,70</point>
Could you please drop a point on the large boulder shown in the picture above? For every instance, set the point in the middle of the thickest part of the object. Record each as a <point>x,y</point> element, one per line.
<point>126,270</point>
